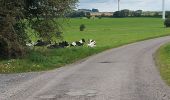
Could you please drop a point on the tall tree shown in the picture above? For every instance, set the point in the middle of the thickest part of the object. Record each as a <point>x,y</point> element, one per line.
<point>95,10</point>
<point>40,13</point>
<point>10,44</point>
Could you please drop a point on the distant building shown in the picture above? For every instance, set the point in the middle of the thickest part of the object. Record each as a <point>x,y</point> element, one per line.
<point>151,13</point>
<point>101,14</point>
<point>84,10</point>
<point>95,12</point>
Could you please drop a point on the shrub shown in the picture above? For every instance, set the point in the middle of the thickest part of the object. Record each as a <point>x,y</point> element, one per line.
<point>82,27</point>
<point>100,17</point>
<point>103,15</point>
<point>4,50</point>
<point>167,22</point>
<point>88,17</point>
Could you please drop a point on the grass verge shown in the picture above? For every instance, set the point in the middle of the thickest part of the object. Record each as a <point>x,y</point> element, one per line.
<point>40,60</point>
<point>163,62</point>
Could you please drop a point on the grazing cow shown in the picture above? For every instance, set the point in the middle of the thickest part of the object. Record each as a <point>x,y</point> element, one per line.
<point>30,43</point>
<point>78,43</point>
<point>91,43</point>
<point>58,45</point>
<point>53,46</point>
<point>82,41</point>
<point>42,43</point>
<point>63,44</point>
<point>73,44</point>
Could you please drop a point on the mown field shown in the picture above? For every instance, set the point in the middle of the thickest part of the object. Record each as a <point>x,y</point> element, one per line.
<point>163,62</point>
<point>108,33</point>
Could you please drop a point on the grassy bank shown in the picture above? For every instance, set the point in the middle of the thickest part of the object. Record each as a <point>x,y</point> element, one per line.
<point>108,33</point>
<point>163,62</point>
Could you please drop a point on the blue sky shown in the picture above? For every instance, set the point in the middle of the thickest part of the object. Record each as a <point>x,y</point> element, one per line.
<point>111,5</point>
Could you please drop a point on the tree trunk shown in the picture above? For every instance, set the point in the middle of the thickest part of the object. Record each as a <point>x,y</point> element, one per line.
<point>10,47</point>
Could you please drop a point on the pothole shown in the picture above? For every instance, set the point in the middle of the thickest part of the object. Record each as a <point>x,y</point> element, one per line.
<point>88,93</point>
<point>105,62</point>
<point>47,97</point>
<point>91,95</point>
<point>76,93</point>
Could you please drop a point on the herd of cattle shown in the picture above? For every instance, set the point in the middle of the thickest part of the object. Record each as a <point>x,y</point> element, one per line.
<point>91,43</point>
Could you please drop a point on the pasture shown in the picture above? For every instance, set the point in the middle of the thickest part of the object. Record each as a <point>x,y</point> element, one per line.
<point>107,32</point>
<point>112,32</point>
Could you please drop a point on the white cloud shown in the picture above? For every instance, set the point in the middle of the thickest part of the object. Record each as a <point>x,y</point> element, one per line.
<point>111,5</point>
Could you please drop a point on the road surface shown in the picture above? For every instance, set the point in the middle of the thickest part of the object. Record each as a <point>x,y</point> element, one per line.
<point>124,73</point>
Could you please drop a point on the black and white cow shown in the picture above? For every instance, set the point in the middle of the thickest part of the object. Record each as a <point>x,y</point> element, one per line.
<point>30,43</point>
<point>92,43</point>
<point>78,43</point>
<point>63,44</point>
<point>58,45</point>
<point>42,43</point>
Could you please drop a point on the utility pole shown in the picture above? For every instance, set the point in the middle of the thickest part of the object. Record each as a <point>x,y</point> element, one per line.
<point>118,5</point>
<point>163,9</point>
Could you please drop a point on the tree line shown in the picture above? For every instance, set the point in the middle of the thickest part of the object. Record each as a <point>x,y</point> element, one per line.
<point>119,14</point>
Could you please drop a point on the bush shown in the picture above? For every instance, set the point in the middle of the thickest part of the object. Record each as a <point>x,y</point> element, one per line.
<point>4,50</point>
<point>82,27</point>
<point>88,17</point>
<point>167,22</point>
<point>100,17</point>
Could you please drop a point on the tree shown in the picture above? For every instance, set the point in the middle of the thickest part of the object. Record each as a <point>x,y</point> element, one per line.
<point>10,11</point>
<point>77,14</point>
<point>122,13</point>
<point>138,13</point>
<point>41,14</point>
<point>88,15</point>
<point>132,13</point>
<point>103,15</point>
<point>167,22</point>
<point>167,14</point>
<point>156,14</point>
<point>95,10</point>
<point>82,27</point>
<point>125,13</point>
<point>117,14</point>
<point>46,14</point>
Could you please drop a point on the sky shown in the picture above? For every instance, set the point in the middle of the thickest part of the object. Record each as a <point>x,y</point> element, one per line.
<point>111,5</point>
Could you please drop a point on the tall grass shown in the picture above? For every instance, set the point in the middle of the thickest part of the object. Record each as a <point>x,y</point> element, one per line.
<point>38,60</point>
<point>163,62</point>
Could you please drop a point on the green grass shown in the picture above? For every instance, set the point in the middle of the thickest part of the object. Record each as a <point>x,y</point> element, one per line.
<point>163,62</point>
<point>108,33</point>
<point>114,32</point>
<point>39,60</point>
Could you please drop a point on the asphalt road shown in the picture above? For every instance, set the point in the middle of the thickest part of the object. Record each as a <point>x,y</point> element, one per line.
<point>124,73</point>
